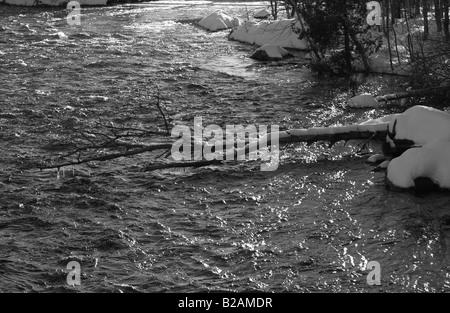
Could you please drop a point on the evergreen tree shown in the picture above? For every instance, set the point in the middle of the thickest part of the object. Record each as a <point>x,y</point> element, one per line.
<point>339,31</point>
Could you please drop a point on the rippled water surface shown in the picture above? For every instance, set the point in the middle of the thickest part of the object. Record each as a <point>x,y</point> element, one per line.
<point>310,226</point>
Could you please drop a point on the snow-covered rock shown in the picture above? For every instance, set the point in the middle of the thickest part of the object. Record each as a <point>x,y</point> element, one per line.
<point>270,52</point>
<point>264,13</point>
<point>376,158</point>
<point>280,32</point>
<point>363,101</point>
<point>421,125</point>
<point>431,161</point>
<point>219,20</point>
<point>428,161</point>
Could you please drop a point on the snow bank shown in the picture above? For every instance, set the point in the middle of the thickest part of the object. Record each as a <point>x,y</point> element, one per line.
<point>280,32</point>
<point>431,161</point>
<point>219,20</point>
<point>406,33</point>
<point>270,52</point>
<point>379,62</point>
<point>429,130</point>
<point>54,2</point>
<point>421,125</point>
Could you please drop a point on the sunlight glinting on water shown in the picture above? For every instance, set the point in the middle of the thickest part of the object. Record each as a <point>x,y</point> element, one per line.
<point>311,225</point>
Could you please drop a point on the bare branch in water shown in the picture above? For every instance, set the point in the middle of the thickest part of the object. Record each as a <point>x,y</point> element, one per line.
<point>111,156</point>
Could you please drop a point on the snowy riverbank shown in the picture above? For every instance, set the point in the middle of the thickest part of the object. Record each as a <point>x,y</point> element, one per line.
<point>418,137</point>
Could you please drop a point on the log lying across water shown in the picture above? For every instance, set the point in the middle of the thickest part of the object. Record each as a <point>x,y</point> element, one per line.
<point>333,134</point>
<point>412,93</point>
<point>336,133</point>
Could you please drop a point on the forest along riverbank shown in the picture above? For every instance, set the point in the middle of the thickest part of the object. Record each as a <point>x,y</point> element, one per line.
<point>312,225</point>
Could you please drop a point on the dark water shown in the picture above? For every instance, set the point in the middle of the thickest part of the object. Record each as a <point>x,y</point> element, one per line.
<point>310,226</point>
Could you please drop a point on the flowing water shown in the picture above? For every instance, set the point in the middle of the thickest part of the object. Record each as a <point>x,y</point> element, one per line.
<point>311,225</point>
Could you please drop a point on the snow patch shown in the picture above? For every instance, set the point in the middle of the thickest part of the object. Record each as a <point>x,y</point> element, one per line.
<point>280,32</point>
<point>431,161</point>
<point>421,125</point>
<point>363,101</point>
<point>429,130</point>
<point>219,20</point>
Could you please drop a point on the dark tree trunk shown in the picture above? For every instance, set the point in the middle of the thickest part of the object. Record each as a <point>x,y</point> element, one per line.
<point>274,8</point>
<point>438,14</point>
<point>386,17</point>
<point>410,43</point>
<point>388,33</point>
<point>348,52</point>
<point>408,8</point>
<point>417,8</point>
<point>395,10</point>
<point>359,46</point>
<point>446,19</point>
<point>426,30</point>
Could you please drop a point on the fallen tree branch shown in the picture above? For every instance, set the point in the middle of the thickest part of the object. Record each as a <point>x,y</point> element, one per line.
<point>412,93</point>
<point>154,167</point>
<point>374,72</point>
<point>158,105</point>
<point>333,134</point>
<point>333,138</point>
<point>329,134</point>
<point>111,156</point>
<point>294,136</point>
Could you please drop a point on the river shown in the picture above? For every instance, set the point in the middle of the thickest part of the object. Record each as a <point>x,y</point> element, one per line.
<point>310,226</point>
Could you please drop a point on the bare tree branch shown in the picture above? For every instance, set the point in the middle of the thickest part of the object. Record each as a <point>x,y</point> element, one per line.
<point>112,156</point>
